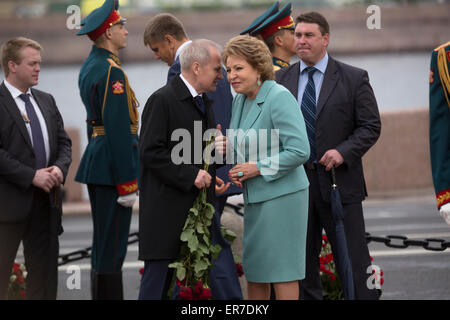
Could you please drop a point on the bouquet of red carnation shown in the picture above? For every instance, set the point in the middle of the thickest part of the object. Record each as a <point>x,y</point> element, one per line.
<point>331,283</point>
<point>17,286</point>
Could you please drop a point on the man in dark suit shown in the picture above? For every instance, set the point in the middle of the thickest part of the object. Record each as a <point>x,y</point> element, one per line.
<point>343,122</point>
<point>35,154</point>
<point>169,188</point>
<point>166,36</point>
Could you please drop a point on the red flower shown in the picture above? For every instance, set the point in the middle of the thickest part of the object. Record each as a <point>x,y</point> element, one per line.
<point>332,277</point>
<point>185,293</point>
<point>16,268</point>
<point>22,294</point>
<point>205,294</point>
<point>198,288</point>
<point>141,271</point>
<point>239,269</point>
<point>381,281</point>
<point>181,283</point>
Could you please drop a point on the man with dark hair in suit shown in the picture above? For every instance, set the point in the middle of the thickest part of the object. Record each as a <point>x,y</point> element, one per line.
<point>166,37</point>
<point>35,155</point>
<point>343,122</point>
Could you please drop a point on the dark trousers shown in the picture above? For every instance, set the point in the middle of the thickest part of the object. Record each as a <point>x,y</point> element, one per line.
<point>110,241</point>
<point>224,282</point>
<point>40,246</point>
<point>320,217</point>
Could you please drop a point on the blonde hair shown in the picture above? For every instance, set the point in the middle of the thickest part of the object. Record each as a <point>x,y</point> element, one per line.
<point>254,51</point>
<point>11,50</point>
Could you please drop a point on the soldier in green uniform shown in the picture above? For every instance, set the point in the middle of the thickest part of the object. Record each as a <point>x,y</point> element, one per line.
<point>276,28</point>
<point>440,127</point>
<point>109,165</point>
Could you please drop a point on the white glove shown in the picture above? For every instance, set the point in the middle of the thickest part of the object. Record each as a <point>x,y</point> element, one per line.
<point>127,200</point>
<point>445,212</point>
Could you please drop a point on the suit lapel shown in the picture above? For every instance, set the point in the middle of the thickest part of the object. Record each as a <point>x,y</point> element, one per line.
<point>330,80</point>
<point>255,111</point>
<point>47,117</point>
<point>291,82</point>
<point>13,110</point>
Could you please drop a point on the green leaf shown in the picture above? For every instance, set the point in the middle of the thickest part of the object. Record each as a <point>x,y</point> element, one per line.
<point>215,251</point>
<point>193,243</point>
<point>181,273</point>
<point>194,211</point>
<point>200,228</point>
<point>203,248</point>
<point>186,235</point>
<point>228,234</point>
<point>200,265</point>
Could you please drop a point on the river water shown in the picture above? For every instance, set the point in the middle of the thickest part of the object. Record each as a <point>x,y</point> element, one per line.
<point>399,80</point>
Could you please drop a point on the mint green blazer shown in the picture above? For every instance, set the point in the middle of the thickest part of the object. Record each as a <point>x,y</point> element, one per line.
<point>273,135</point>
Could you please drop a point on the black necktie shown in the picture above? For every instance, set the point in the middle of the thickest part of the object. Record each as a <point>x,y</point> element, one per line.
<point>308,107</point>
<point>36,132</point>
<point>199,102</point>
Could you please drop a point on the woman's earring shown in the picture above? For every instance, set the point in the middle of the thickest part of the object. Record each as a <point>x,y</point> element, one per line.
<point>259,83</point>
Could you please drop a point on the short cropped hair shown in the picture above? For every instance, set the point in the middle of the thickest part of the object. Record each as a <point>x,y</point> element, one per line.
<point>12,48</point>
<point>197,51</point>
<point>254,51</point>
<point>317,18</point>
<point>161,25</point>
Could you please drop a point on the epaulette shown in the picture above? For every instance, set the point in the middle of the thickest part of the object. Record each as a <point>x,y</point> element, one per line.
<point>114,61</point>
<point>442,46</point>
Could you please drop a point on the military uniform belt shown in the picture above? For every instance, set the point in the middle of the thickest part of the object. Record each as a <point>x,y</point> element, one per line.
<point>100,130</point>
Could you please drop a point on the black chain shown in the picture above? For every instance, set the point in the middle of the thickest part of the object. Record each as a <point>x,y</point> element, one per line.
<point>391,241</point>
<point>86,252</point>
<point>403,242</point>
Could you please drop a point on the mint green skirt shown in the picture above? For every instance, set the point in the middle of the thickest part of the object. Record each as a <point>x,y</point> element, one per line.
<point>274,240</point>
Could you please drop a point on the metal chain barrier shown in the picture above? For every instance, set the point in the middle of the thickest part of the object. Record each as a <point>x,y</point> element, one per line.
<point>86,253</point>
<point>403,242</point>
<point>391,241</point>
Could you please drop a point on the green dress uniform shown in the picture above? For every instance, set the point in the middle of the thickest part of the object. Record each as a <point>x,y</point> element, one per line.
<point>109,165</point>
<point>440,122</point>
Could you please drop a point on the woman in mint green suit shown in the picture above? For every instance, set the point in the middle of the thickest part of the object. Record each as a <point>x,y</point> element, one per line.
<point>269,144</point>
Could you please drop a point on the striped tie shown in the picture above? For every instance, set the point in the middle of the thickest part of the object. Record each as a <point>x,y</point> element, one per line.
<point>308,107</point>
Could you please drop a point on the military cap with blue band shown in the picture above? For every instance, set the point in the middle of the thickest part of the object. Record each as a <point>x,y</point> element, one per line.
<point>257,22</point>
<point>96,23</point>
<point>281,20</point>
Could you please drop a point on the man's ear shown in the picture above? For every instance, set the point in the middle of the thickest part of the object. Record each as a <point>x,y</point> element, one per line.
<point>12,66</point>
<point>170,40</point>
<point>196,68</point>
<point>278,41</point>
<point>108,33</point>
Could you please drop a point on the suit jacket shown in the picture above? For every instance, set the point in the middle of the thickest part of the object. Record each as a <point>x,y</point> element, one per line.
<point>281,163</point>
<point>347,119</point>
<point>17,159</point>
<point>167,188</point>
<point>221,105</point>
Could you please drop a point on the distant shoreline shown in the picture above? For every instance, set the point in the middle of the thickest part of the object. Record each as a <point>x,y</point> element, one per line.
<point>414,28</point>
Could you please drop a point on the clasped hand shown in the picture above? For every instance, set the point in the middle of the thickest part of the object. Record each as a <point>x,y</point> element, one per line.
<point>47,178</point>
